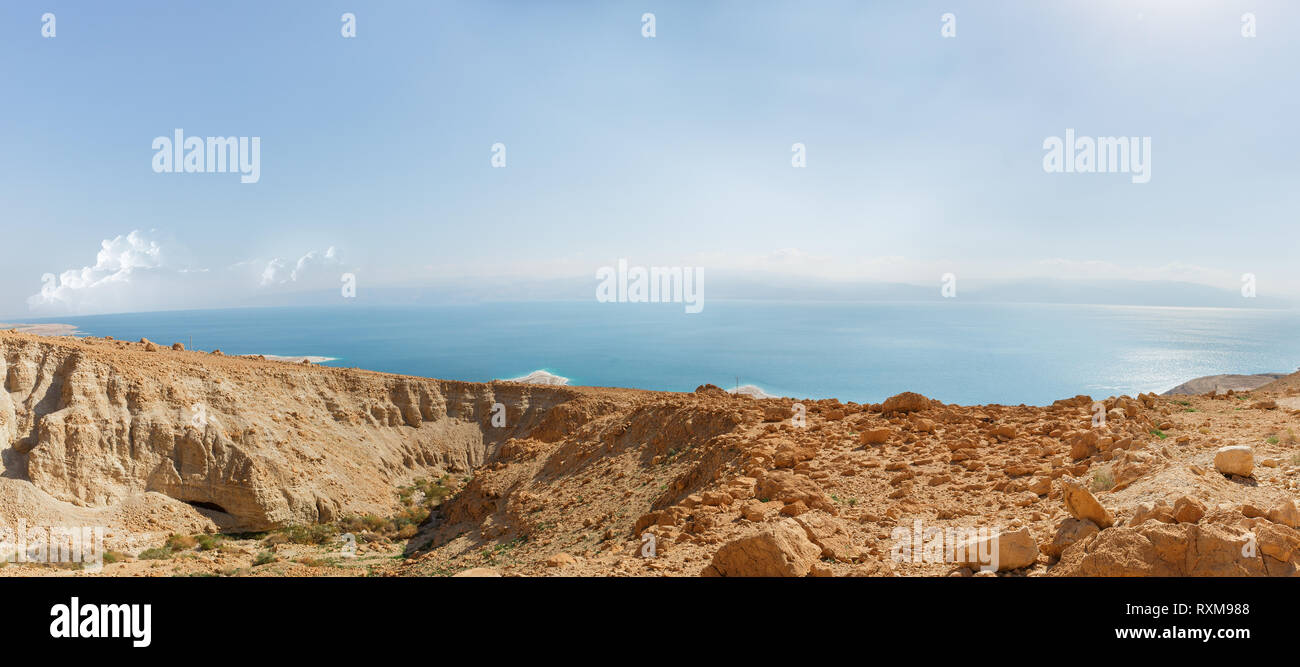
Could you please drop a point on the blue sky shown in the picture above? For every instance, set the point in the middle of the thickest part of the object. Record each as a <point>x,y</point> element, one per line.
<point>924,154</point>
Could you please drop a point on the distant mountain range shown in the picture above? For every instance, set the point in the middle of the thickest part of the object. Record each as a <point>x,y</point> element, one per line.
<point>749,287</point>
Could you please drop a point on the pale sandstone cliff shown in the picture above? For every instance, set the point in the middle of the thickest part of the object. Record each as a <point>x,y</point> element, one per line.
<point>94,424</point>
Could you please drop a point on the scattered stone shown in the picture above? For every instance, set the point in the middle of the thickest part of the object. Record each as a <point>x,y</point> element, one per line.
<point>1081,504</point>
<point>907,401</point>
<point>830,534</point>
<point>477,572</point>
<point>780,550</point>
<point>1235,460</point>
<point>1285,514</point>
<point>560,560</point>
<point>1149,511</point>
<point>1068,531</point>
<point>1188,510</point>
<point>875,436</point>
<point>1014,550</point>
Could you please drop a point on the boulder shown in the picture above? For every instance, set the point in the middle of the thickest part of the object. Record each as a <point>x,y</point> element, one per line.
<point>1188,510</point>
<point>477,572</point>
<point>1014,550</point>
<point>1082,444</point>
<point>1081,504</point>
<point>907,401</point>
<point>1178,550</point>
<point>1235,460</point>
<point>1148,511</point>
<point>560,560</point>
<point>780,550</point>
<point>1068,532</point>
<point>875,436</point>
<point>1285,514</point>
<point>790,488</point>
<point>830,534</point>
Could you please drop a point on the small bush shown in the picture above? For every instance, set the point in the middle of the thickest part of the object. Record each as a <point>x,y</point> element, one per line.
<point>111,556</point>
<point>264,558</point>
<point>319,533</point>
<point>209,542</point>
<point>1103,480</point>
<point>156,553</point>
<point>181,542</point>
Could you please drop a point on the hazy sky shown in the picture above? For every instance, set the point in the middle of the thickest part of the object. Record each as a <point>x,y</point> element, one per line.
<point>924,153</point>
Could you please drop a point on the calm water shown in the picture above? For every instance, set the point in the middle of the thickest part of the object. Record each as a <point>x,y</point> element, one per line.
<point>956,352</point>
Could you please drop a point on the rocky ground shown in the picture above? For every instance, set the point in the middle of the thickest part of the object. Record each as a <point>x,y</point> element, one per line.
<point>324,471</point>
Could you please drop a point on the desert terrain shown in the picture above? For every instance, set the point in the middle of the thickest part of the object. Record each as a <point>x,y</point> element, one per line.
<point>202,464</point>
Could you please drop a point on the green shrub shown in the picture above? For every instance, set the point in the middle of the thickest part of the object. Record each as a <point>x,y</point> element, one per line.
<point>1103,480</point>
<point>181,542</point>
<point>209,542</point>
<point>156,553</point>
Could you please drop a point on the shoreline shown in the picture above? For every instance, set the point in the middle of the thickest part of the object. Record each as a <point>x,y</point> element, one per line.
<point>1219,382</point>
<point>47,329</point>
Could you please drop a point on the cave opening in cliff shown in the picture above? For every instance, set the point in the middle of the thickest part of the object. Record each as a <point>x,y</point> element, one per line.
<point>206,505</point>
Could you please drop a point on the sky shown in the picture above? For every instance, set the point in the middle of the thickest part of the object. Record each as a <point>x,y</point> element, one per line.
<point>924,154</point>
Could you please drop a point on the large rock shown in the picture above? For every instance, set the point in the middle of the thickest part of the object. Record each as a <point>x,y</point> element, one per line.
<point>1152,511</point>
<point>1235,460</point>
<point>1014,550</point>
<point>907,401</point>
<point>1081,504</point>
<point>875,436</point>
<point>1067,533</point>
<point>780,550</point>
<point>830,534</point>
<point>1082,444</point>
<point>1183,550</point>
<point>1285,514</point>
<point>478,572</point>
<point>791,488</point>
<point>1188,510</point>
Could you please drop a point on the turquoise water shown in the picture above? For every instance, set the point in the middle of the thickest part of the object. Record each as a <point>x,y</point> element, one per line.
<point>956,352</point>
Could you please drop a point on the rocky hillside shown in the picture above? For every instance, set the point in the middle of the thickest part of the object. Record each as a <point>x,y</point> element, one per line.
<point>240,443</point>
<point>595,482</point>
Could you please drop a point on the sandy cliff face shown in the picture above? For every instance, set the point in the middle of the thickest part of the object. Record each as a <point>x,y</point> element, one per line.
<point>252,443</point>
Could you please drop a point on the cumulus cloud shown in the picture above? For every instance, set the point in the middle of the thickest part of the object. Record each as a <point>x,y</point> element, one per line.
<point>306,268</point>
<point>142,271</point>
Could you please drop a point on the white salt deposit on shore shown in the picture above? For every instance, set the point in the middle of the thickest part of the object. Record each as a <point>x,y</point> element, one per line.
<point>296,360</point>
<point>751,390</point>
<point>540,377</point>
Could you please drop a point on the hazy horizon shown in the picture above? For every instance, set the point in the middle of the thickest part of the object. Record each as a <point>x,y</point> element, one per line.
<point>801,150</point>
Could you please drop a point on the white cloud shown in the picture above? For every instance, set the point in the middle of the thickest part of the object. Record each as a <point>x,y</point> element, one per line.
<point>307,267</point>
<point>140,271</point>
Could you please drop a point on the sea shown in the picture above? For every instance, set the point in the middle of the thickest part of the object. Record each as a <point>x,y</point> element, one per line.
<point>969,353</point>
